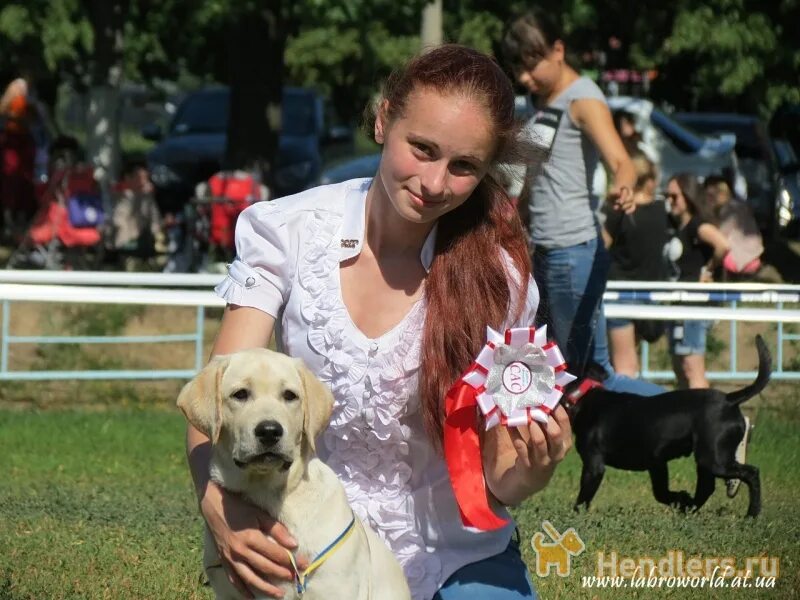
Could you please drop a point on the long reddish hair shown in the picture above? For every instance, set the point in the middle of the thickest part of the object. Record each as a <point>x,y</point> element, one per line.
<point>468,286</point>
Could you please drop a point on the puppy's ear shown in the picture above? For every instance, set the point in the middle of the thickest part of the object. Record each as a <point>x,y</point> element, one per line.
<point>201,398</point>
<point>317,404</point>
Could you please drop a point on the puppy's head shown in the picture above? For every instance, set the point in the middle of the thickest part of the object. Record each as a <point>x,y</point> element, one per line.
<point>262,407</point>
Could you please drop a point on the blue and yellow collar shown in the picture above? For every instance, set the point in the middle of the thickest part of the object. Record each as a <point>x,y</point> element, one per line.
<point>300,578</point>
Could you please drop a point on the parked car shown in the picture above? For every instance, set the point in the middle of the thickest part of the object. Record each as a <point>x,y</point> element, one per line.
<point>768,164</point>
<point>785,125</point>
<point>788,203</point>
<point>784,128</point>
<point>352,168</point>
<point>676,148</point>
<point>193,146</point>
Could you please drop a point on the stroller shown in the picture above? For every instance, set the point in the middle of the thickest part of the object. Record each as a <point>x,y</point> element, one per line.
<point>210,221</point>
<point>66,232</point>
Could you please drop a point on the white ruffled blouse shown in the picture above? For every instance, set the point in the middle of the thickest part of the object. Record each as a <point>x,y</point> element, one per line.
<point>288,255</point>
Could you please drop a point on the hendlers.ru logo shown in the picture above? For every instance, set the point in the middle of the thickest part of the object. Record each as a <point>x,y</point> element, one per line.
<point>558,551</point>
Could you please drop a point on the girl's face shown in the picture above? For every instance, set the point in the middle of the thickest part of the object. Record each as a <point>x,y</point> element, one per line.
<point>139,181</point>
<point>435,154</point>
<point>626,128</point>
<point>718,194</point>
<point>677,202</point>
<point>541,78</point>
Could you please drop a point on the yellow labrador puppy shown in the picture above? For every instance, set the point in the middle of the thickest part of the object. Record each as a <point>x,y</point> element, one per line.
<point>262,411</point>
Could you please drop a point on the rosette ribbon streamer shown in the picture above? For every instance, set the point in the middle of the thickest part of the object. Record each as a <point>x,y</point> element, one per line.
<point>517,377</point>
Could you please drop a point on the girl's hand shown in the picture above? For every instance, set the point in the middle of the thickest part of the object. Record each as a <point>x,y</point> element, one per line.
<point>252,546</point>
<point>540,447</point>
<point>622,197</point>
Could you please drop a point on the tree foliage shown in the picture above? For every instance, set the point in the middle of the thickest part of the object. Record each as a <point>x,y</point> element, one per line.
<point>742,53</point>
<point>723,54</point>
<point>345,49</point>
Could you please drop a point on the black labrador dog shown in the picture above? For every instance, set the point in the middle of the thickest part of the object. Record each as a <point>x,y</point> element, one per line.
<point>637,433</point>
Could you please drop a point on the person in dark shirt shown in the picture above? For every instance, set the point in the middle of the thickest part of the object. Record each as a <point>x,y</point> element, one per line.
<point>703,247</point>
<point>697,248</point>
<point>636,243</point>
<point>17,159</point>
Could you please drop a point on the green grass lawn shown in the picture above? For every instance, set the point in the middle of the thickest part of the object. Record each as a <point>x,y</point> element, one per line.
<point>96,503</point>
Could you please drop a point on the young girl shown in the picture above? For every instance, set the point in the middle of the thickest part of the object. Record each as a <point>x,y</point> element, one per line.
<point>575,129</point>
<point>636,244</point>
<point>385,287</point>
<point>703,248</point>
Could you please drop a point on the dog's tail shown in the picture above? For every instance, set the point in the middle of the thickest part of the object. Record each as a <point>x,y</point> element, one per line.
<point>764,371</point>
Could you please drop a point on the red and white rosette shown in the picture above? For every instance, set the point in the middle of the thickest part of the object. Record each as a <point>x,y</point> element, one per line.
<point>517,377</point>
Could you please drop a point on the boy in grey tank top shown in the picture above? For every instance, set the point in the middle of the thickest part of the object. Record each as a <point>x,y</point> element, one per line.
<point>560,201</point>
<point>574,129</point>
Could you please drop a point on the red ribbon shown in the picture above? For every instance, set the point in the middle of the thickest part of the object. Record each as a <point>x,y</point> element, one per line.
<point>462,451</point>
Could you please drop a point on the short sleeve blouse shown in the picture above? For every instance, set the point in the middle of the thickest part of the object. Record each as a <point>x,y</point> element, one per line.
<point>288,255</point>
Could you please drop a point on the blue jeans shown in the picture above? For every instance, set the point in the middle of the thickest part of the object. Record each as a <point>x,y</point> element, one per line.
<point>571,283</point>
<point>615,381</point>
<point>618,322</point>
<point>503,576</point>
<point>688,337</point>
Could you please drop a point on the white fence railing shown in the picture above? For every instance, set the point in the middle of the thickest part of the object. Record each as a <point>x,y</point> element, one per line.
<point>165,289</point>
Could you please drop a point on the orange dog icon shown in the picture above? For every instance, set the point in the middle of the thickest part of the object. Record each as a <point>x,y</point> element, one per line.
<point>558,551</point>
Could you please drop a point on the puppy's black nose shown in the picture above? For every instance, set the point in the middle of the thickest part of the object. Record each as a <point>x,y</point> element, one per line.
<point>269,432</point>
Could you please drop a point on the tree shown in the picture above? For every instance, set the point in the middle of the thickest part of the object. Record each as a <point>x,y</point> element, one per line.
<point>345,49</point>
<point>715,54</point>
<point>431,27</point>
<point>256,41</point>
<point>44,41</point>
<point>107,18</point>
<point>737,54</point>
